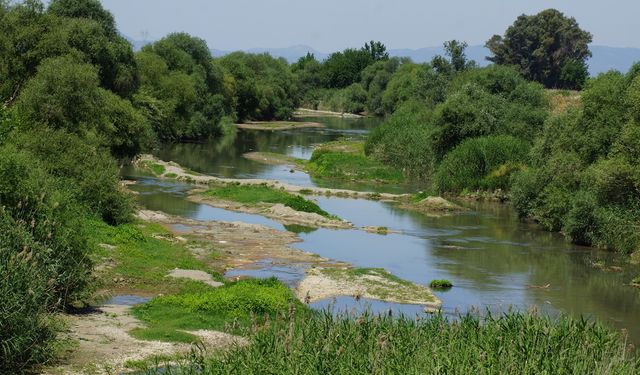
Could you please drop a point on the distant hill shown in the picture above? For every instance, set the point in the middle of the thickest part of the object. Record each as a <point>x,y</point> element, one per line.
<point>604,58</point>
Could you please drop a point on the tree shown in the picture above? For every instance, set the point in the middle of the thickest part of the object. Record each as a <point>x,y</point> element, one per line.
<point>91,9</point>
<point>547,47</point>
<point>376,50</point>
<point>457,62</point>
<point>343,69</point>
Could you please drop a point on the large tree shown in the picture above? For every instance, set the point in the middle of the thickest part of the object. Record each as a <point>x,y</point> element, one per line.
<point>547,47</point>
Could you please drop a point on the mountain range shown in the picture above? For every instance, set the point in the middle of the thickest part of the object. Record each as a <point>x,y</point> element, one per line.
<point>604,58</point>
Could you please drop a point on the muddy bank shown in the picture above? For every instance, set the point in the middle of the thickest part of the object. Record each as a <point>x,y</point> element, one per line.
<point>241,244</point>
<point>305,112</point>
<point>320,284</point>
<point>278,125</point>
<point>272,158</point>
<point>173,171</point>
<point>277,212</point>
<point>433,206</point>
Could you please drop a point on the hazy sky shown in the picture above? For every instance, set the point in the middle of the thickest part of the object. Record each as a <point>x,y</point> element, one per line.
<point>330,25</point>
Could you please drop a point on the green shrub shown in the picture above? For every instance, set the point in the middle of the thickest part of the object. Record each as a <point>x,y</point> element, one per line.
<point>403,141</point>
<point>88,171</point>
<point>481,163</point>
<point>44,262</point>
<point>440,284</point>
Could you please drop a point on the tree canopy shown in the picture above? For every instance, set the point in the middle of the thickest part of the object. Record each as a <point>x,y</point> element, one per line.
<point>548,47</point>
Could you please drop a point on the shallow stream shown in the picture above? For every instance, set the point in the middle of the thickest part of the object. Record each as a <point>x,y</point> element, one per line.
<point>494,261</point>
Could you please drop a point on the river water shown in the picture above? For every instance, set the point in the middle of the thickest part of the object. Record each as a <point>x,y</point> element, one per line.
<point>495,261</point>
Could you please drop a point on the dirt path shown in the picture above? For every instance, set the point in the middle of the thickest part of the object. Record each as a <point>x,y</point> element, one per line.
<point>105,345</point>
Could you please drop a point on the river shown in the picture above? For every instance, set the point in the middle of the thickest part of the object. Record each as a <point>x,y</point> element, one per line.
<point>495,261</point>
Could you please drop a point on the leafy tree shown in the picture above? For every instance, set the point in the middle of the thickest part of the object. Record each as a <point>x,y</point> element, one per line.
<point>342,69</point>
<point>547,47</point>
<point>65,94</point>
<point>376,50</point>
<point>457,62</point>
<point>265,86</point>
<point>375,79</point>
<point>90,9</point>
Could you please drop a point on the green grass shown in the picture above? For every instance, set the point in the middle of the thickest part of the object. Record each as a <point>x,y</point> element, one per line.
<point>510,344</point>
<point>636,281</point>
<point>143,255</point>
<point>347,161</point>
<point>230,306</point>
<point>441,284</point>
<point>171,175</point>
<point>255,194</point>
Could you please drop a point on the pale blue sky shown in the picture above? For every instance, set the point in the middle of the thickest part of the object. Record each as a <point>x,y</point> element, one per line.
<point>330,25</point>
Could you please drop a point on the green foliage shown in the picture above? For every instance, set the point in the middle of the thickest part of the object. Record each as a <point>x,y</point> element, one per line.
<point>511,343</point>
<point>403,141</point>
<point>87,171</point>
<point>587,181</point>
<point>343,69</point>
<point>255,194</point>
<point>481,163</point>
<point>547,47</point>
<point>350,164</point>
<point>441,284</point>
<point>183,92</point>
<point>264,86</point>
<point>90,9</point>
<point>214,309</point>
<point>65,94</point>
<point>44,263</point>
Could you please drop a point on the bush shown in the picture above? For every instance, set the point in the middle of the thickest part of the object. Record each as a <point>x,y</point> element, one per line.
<point>441,284</point>
<point>403,141</point>
<point>44,263</point>
<point>481,163</point>
<point>89,172</point>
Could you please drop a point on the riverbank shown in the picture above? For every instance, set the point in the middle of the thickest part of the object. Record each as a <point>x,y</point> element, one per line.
<point>306,112</point>
<point>162,256</point>
<point>278,125</point>
<point>173,171</point>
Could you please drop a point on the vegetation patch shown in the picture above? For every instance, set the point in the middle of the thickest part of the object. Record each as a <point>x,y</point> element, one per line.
<point>513,343</point>
<point>229,307</point>
<point>441,284</point>
<point>138,257</point>
<point>373,283</point>
<point>346,160</point>
<point>636,282</point>
<point>256,194</point>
